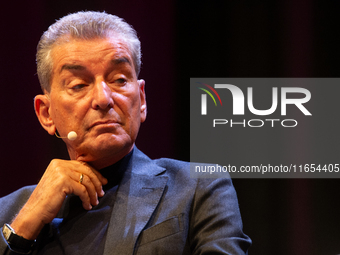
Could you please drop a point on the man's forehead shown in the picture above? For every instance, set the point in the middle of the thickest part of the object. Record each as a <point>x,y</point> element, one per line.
<point>69,53</point>
<point>69,43</point>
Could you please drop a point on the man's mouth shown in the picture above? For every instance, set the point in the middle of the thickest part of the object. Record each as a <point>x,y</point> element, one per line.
<point>104,123</point>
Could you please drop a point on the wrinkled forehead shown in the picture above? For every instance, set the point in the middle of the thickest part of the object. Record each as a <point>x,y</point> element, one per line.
<point>68,50</point>
<point>111,37</point>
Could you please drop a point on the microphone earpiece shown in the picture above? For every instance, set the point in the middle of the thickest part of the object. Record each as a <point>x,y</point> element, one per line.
<point>71,136</point>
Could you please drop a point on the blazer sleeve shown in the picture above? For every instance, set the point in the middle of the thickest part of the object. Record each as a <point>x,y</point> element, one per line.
<point>10,205</point>
<point>216,224</point>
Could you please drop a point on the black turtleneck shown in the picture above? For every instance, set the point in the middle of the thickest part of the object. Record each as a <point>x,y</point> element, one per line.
<point>115,172</point>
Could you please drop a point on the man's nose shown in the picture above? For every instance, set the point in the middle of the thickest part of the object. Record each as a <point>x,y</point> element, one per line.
<point>102,96</point>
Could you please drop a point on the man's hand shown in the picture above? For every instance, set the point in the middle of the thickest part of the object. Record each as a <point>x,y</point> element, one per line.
<point>62,177</point>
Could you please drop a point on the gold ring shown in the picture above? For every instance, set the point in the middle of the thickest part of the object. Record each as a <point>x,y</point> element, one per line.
<point>81,178</point>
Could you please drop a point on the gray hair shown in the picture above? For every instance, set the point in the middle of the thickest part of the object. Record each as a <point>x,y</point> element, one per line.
<point>84,25</point>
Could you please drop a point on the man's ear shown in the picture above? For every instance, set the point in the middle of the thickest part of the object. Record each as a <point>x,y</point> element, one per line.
<point>142,100</point>
<point>42,110</point>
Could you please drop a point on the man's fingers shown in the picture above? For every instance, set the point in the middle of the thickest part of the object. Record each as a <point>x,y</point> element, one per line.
<point>82,192</point>
<point>102,179</point>
<point>91,190</point>
<point>96,178</point>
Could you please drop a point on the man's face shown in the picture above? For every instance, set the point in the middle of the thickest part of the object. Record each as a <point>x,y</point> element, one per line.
<point>95,92</point>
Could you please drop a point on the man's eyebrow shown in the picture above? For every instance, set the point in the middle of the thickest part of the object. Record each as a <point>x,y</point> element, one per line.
<point>72,67</point>
<point>118,61</point>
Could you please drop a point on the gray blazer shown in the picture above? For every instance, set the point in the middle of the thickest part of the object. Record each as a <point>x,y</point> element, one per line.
<point>158,209</point>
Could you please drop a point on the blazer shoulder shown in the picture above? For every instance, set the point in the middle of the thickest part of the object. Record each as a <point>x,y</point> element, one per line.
<point>172,163</point>
<point>178,172</point>
<point>174,166</point>
<point>11,204</point>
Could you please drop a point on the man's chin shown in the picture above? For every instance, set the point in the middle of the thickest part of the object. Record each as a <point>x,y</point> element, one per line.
<point>104,148</point>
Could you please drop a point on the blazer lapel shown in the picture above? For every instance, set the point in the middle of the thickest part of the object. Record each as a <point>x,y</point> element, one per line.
<point>137,197</point>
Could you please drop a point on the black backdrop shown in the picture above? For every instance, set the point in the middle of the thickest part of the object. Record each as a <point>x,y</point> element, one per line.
<point>183,39</point>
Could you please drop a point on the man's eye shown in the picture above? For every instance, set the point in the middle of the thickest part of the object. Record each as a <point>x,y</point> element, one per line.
<point>121,81</point>
<point>78,87</point>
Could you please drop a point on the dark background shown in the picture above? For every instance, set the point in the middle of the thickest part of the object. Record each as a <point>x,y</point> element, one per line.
<point>183,39</point>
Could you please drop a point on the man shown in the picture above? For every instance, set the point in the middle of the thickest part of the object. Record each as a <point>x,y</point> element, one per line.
<point>110,198</point>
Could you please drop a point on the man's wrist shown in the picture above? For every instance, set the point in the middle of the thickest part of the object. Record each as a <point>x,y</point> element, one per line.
<point>17,243</point>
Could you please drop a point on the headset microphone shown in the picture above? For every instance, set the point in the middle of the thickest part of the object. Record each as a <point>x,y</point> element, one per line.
<point>71,136</point>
